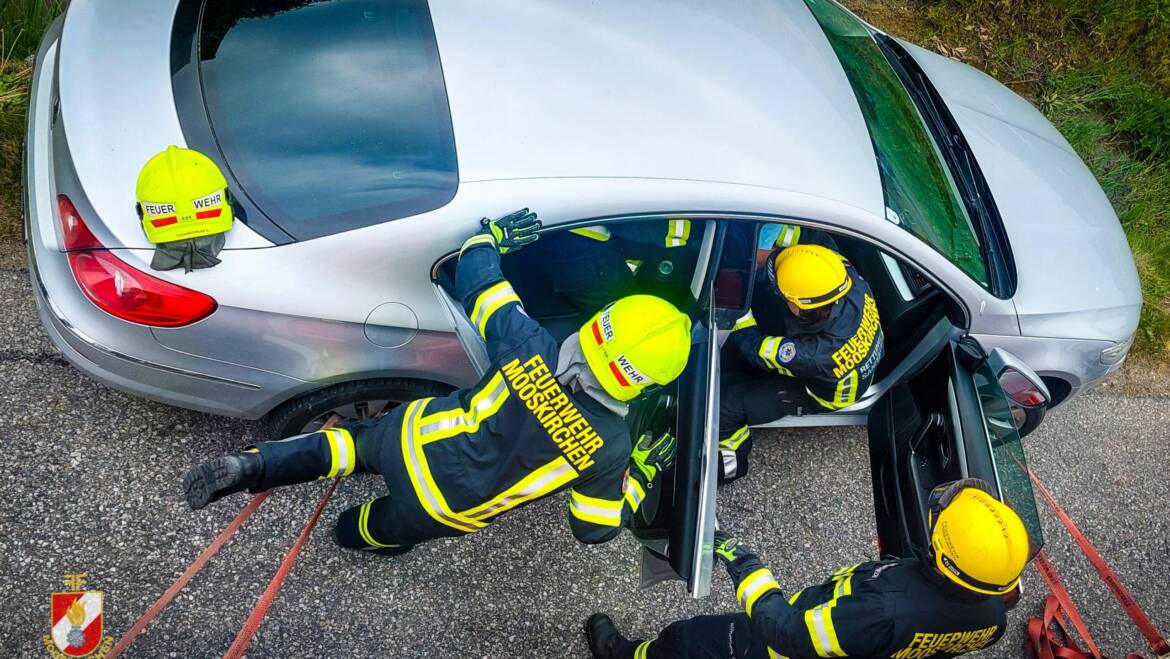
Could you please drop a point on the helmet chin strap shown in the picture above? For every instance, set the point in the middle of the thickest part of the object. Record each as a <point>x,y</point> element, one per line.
<point>573,373</point>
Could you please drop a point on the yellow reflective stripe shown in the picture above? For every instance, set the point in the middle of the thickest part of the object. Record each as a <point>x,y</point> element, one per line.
<point>846,570</point>
<point>746,321</point>
<point>425,488</point>
<point>772,654</point>
<point>789,235</point>
<point>601,512</point>
<point>819,621</point>
<point>485,403</point>
<point>364,526</point>
<point>478,239</point>
<point>634,494</point>
<point>824,403</point>
<point>737,438</point>
<point>642,649</point>
<point>489,302</point>
<point>846,389</point>
<point>342,455</point>
<point>678,231</point>
<point>844,587</point>
<point>535,485</point>
<point>795,596</point>
<point>768,349</point>
<point>596,232</point>
<point>754,586</point>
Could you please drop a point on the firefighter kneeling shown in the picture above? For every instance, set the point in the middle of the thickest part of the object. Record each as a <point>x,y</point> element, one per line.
<point>544,417</point>
<point>943,604</point>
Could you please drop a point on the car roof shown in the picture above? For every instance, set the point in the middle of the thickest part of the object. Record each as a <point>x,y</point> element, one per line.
<point>746,93</point>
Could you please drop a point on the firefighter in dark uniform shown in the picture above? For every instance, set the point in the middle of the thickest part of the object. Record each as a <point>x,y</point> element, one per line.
<point>944,604</point>
<point>545,417</point>
<point>810,343</point>
<point>594,265</point>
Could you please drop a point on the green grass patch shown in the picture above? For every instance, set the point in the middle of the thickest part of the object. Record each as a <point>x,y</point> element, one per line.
<point>1100,71</point>
<point>22,23</point>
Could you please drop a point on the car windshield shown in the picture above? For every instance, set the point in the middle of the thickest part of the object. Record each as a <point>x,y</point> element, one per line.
<point>331,114</point>
<point>921,196</point>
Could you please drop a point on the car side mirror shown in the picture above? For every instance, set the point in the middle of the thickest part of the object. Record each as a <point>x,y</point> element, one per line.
<point>1021,384</point>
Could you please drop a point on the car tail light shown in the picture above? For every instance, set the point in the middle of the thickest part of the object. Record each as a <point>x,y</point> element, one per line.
<point>1020,389</point>
<point>121,290</point>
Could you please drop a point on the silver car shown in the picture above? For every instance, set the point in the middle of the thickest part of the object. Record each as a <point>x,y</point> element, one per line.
<point>363,141</point>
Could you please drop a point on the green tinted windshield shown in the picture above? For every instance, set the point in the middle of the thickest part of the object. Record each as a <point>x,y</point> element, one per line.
<point>918,187</point>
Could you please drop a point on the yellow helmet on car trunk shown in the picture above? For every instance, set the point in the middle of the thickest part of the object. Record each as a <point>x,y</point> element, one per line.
<point>811,276</point>
<point>636,342</point>
<point>977,541</point>
<point>182,194</point>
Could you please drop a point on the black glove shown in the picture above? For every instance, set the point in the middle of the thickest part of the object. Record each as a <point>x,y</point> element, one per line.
<point>513,231</point>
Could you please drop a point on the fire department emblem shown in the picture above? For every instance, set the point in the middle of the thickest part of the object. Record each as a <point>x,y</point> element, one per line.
<point>76,622</point>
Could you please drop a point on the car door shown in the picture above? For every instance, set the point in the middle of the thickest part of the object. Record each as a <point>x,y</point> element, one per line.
<point>676,523</point>
<point>950,420</point>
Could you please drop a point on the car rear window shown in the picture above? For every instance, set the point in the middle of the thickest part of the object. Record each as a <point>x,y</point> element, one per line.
<point>330,114</point>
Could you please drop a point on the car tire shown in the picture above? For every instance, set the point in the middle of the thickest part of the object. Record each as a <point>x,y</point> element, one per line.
<point>309,411</point>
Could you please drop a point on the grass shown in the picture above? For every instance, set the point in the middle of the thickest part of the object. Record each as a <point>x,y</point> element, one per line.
<point>22,22</point>
<point>1100,71</point>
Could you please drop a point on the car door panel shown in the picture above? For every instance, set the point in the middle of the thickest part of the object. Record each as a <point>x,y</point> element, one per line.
<point>945,422</point>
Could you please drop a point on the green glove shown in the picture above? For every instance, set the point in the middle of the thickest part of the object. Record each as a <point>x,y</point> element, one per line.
<point>514,230</point>
<point>651,455</point>
<point>728,548</point>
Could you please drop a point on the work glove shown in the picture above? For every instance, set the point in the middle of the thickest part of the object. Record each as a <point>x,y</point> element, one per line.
<point>729,549</point>
<point>651,455</point>
<point>512,231</point>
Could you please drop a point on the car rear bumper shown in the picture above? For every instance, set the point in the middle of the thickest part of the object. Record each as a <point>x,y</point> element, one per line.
<point>122,355</point>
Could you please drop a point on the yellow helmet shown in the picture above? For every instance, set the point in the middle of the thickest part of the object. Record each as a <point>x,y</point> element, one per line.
<point>636,342</point>
<point>811,276</point>
<point>182,194</point>
<point>977,541</point>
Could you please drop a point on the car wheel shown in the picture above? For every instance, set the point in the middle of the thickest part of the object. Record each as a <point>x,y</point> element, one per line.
<point>350,401</point>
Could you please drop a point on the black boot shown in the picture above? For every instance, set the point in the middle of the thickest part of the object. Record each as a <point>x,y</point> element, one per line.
<point>605,641</point>
<point>211,481</point>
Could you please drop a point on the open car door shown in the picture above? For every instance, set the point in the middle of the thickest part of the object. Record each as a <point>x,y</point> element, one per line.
<point>950,420</point>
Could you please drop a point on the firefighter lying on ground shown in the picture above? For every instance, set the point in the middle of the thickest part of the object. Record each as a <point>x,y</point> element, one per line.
<point>543,418</point>
<point>943,604</point>
<point>810,343</point>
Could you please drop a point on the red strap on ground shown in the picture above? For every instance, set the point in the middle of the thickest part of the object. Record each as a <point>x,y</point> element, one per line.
<point>1157,643</point>
<point>1056,606</point>
<point>244,637</point>
<point>195,566</point>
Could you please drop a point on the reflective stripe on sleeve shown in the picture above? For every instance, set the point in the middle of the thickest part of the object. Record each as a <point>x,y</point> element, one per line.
<point>789,236</point>
<point>819,621</point>
<point>747,320</point>
<point>678,231</point>
<point>478,239</point>
<point>730,463</point>
<point>599,233</point>
<point>489,302</point>
<point>642,649</point>
<point>535,485</point>
<point>769,348</point>
<point>634,494</point>
<point>364,526</point>
<point>754,586</point>
<point>342,455</point>
<point>601,512</point>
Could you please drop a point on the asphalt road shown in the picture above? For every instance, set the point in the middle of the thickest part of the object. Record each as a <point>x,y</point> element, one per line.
<point>92,485</point>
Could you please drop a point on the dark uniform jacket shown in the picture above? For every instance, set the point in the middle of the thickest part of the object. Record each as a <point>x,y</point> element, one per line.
<point>895,608</point>
<point>835,360</point>
<point>517,435</point>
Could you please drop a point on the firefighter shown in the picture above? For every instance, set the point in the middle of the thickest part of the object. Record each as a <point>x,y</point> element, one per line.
<point>594,265</point>
<point>544,417</point>
<point>945,604</point>
<point>809,343</point>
